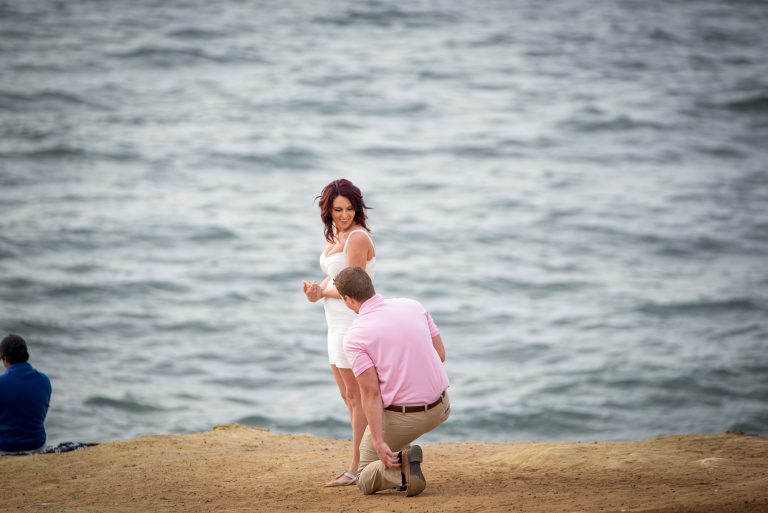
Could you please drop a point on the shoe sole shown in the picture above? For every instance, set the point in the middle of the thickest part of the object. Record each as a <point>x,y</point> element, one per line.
<point>416,480</point>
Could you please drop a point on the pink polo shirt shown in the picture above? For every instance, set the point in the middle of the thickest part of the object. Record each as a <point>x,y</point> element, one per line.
<point>395,337</point>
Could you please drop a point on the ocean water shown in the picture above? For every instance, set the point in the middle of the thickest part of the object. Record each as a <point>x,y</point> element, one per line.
<point>578,192</point>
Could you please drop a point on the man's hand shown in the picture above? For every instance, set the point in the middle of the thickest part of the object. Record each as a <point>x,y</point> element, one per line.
<point>368,381</point>
<point>386,455</point>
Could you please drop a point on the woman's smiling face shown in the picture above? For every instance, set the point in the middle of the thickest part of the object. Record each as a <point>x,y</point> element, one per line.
<point>342,213</point>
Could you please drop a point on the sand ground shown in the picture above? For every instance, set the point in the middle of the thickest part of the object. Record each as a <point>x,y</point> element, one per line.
<point>236,468</point>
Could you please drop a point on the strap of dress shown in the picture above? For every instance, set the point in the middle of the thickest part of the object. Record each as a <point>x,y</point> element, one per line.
<point>356,231</point>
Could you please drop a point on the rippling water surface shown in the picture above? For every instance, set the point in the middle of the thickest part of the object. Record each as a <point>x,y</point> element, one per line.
<point>578,191</point>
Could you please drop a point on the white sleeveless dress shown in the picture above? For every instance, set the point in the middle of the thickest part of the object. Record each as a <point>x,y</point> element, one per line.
<point>337,314</point>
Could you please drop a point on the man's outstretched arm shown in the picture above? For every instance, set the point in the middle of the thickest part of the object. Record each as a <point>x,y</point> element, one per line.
<point>374,410</point>
<point>437,343</point>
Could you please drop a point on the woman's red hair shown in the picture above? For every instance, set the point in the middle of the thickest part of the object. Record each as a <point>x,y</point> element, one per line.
<point>341,187</point>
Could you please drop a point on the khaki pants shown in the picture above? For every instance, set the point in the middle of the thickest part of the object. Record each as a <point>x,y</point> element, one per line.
<point>399,429</point>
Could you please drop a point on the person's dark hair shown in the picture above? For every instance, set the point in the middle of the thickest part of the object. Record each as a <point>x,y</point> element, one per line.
<point>341,187</point>
<point>14,349</point>
<point>355,283</point>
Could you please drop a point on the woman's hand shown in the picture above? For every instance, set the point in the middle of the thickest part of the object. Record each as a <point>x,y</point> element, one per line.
<point>313,291</point>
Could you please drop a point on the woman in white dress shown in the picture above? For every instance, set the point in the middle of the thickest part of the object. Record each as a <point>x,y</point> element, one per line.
<point>349,244</point>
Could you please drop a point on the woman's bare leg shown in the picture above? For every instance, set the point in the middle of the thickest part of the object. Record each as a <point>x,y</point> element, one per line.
<point>350,393</point>
<point>356,415</point>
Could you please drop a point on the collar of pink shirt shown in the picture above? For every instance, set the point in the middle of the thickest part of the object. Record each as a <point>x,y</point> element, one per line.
<point>370,303</point>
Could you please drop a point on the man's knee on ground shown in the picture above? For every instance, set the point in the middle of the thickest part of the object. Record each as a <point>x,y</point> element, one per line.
<point>366,488</point>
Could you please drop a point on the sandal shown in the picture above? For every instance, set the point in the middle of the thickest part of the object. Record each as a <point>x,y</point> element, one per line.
<point>349,479</point>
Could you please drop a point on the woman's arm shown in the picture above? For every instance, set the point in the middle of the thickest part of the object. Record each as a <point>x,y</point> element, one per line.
<point>314,291</point>
<point>359,251</point>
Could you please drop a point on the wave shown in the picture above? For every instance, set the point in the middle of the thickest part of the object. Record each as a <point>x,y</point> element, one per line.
<point>144,286</point>
<point>368,108</point>
<point>393,109</point>
<point>195,327</point>
<point>622,123</point>
<point>126,405</point>
<point>753,104</point>
<point>549,423</point>
<point>739,331</point>
<point>504,284</point>
<point>67,151</point>
<point>213,234</point>
<point>753,423</point>
<point>73,290</point>
<point>477,151</point>
<point>7,253</point>
<point>251,383</point>
<point>758,232</point>
<point>500,149</point>
<point>240,400</point>
<point>705,386</point>
<point>660,244</point>
<point>56,151</point>
<point>164,55</point>
<point>321,424</point>
<point>97,292</point>
<point>503,148</point>
<point>442,76</point>
<point>394,151</point>
<point>664,36</point>
<point>9,248</point>
<point>327,427</point>
<point>27,133</point>
<point>256,421</point>
<point>389,16</point>
<point>40,327</point>
<point>702,307</point>
<point>498,39</point>
<point>290,157</point>
<point>167,56</point>
<point>10,33</point>
<point>196,33</point>
<point>334,79</point>
<point>692,246</point>
<point>14,101</point>
<point>82,268</point>
<point>720,35</point>
<point>723,152</point>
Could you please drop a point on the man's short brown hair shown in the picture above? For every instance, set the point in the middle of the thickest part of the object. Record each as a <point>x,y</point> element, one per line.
<point>355,283</point>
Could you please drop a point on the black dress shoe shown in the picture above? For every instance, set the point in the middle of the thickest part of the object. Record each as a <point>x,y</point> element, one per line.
<point>415,481</point>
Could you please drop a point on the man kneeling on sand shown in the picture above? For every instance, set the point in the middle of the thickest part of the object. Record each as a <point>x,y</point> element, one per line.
<point>396,354</point>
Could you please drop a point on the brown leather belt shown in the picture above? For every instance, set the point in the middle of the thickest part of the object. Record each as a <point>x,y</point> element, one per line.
<point>414,409</point>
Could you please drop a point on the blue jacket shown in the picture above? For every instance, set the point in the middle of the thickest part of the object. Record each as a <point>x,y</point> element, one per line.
<point>24,397</point>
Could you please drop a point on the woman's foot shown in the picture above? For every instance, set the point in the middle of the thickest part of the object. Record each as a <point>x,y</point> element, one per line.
<point>344,479</point>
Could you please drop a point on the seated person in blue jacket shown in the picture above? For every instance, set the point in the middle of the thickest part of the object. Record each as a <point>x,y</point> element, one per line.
<point>24,397</point>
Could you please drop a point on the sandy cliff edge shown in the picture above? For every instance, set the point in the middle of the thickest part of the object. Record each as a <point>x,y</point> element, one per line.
<point>237,468</point>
